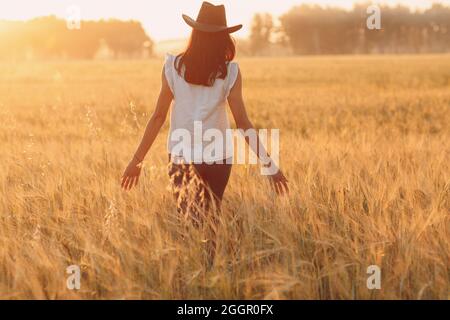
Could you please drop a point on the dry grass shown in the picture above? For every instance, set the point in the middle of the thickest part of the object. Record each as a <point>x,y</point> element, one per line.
<point>365,144</point>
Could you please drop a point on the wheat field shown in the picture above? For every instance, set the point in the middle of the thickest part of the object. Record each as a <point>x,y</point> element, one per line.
<point>365,144</point>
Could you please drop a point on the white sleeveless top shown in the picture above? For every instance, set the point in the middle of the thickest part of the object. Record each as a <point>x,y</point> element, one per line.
<point>199,120</point>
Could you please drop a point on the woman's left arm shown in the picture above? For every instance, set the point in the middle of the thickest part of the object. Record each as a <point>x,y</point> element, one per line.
<point>131,175</point>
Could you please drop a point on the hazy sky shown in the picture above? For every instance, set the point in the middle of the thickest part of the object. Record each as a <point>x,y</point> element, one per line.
<point>162,18</point>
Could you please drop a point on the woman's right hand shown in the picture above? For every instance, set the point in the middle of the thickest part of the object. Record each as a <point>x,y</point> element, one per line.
<point>280,183</point>
<point>131,175</point>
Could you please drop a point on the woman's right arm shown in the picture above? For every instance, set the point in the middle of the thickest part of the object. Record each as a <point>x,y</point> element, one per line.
<point>237,106</point>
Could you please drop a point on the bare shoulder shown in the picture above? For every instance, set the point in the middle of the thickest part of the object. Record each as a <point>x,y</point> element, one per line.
<point>238,81</point>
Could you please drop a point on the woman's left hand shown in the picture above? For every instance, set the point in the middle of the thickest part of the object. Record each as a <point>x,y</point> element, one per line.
<point>131,175</point>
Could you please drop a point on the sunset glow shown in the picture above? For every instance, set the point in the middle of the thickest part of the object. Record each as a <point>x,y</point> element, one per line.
<point>162,19</point>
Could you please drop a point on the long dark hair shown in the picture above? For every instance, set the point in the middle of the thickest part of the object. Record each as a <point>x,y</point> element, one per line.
<point>206,57</point>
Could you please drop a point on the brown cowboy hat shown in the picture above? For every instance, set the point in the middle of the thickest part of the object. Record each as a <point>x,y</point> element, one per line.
<point>211,18</point>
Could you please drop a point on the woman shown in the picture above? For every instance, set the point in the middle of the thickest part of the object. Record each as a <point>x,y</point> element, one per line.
<point>199,81</point>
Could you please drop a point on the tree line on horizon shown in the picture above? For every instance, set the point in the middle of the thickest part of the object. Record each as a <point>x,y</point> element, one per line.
<point>50,37</point>
<point>312,29</point>
<point>305,29</point>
